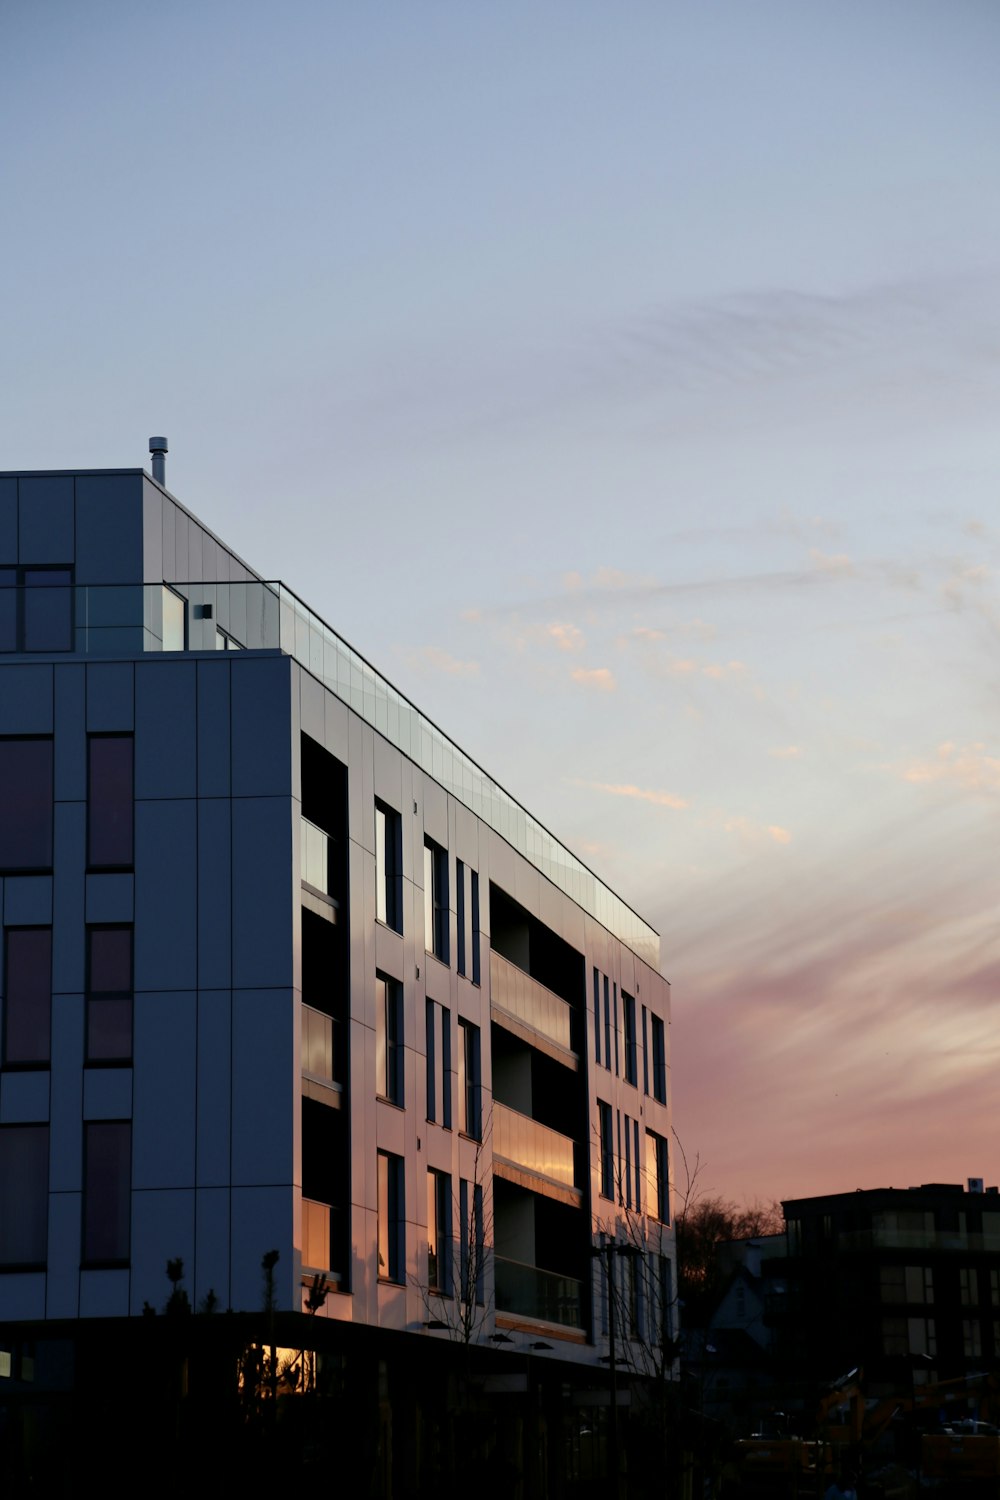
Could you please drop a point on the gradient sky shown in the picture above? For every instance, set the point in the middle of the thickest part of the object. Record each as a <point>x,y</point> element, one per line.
<point>624,382</point>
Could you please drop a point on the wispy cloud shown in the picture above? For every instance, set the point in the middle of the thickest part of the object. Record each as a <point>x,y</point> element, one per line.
<point>443,661</point>
<point>785,752</point>
<point>595,677</point>
<point>832,562</point>
<point>968,767</point>
<point>751,833</point>
<point>639,793</point>
<point>566,637</point>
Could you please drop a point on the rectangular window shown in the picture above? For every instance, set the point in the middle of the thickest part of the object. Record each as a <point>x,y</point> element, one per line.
<point>389,1038</point>
<point>107,1197</point>
<point>892,1283</point>
<point>460,916</point>
<point>109,802</point>
<point>658,1177</point>
<point>469,1107</point>
<point>476,972</point>
<point>922,1334</point>
<point>968,1286</point>
<point>631,1047</point>
<point>597,1018</point>
<point>607,1023</point>
<point>919,1284</point>
<point>628,1164</point>
<point>27,1003</point>
<point>617,1063</point>
<point>109,994</point>
<point>436,900</point>
<point>472,1252</point>
<point>645,1052</point>
<point>636,1166</point>
<point>174,620</point>
<point>391,1218</point>
<point>388,867</point>
<point>439,1064</point>
<point>439,1232</point>
<point>24,1196</point>
<point>607,1151</point>
<point>26,801</point>
<point>972,1343</point>
<point>659,1061</point>
<point>995,1288</point>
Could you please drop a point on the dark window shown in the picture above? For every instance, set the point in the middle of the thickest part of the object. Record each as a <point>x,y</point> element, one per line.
<point>460,916</point>
<point>476,976</point>
<point>470,1111</point>
<point>439,1064</point>
<point>436,900</point>
<point>473,1245</point>
<point>607,1023</point>
<point>24,1195</point>
<point>36,609</point>
<point>631,1049</point>
<point>658,1175</point>
<point>26,804</point>
<point>389,867</point>
<point>439,1232</point>
<point>645,1052</point>
<point>616,1031</point>
<point>109,802</point>
<point>391,1218</point>
<point>389,1038</point>
<point>107,1199</point>
<point>109,994</point>
<point>659,1061</point>
<point>597,1018</point>
<point>27,1005</point>
<point>607,1151</point>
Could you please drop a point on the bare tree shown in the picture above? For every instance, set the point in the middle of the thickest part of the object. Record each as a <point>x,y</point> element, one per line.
<point>462,1306</point>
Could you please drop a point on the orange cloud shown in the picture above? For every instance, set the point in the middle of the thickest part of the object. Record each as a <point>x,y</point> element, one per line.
<point>643,794</point>
<point>786,752</point>
<point>969,768</point>
<point>566,637</point>
<point>831,562</point>
<point>595,677</point>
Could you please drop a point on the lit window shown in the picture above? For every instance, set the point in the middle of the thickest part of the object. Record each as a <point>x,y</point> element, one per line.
<point>26,802</point>
<point>27,1007</point>
<point>174,621</point>
<point>109,802</point>
<point>391,1218</point>
<point>109,994</point>
<point>388,867</point>
<point>389,1038</point>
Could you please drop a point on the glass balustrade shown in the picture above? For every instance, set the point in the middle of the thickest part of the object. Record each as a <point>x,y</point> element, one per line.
<point>526,1143</point>
<point>524,998</point>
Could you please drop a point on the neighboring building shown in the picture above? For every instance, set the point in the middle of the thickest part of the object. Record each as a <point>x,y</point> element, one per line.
<point>284,969</point>
<point>904,1283</point>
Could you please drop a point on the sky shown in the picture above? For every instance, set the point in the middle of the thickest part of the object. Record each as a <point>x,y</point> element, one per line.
<point>623,381</point>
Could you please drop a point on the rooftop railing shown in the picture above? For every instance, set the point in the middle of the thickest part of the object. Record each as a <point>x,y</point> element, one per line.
<point>126,619</point>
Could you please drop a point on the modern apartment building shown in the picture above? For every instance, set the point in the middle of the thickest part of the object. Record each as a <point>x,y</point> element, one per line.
<point>284,969</point>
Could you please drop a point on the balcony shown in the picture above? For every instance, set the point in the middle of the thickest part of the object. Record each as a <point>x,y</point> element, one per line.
<point>537,1014</point>
<point>315,857</point>
<point>540,1158</point>
<point>545,1296</point>
<point>318,1057</point>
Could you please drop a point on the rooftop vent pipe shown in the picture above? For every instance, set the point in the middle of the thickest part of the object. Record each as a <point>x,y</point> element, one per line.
<point>158,448</point>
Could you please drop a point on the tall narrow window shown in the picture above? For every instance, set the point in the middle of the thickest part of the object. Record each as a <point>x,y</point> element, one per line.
<point>439,1232</point>
<point>607,1023</point>
<point>26,801</point>
<point>109,802</point>
<point>659,1061</point>
<point>389,1038</point>
<point>27,1004</point>
<point>658,1177</point>
<point>631,1049</point>
<point>476,979</point>
<point>389,867</point>
<point>470,1112</point>
<point>109,994</point>
<point>615,987</point>
<point>628,1163</point>
<point>597,1018</point>
<point>107,1198</point>
<point>607,1151</point>
<point>436,900</point>
<point>645,1052</point>
<point>174,621</point>
<point>439,1064</point>
<point>460,916</point>
<point>391,1218</point>
<point>24,1195</point>
<point>473,1241</point>
<point>636,1166</point>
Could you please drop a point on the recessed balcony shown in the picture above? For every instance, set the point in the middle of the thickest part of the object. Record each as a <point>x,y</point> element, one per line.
<point>544,1296</point>
<point>527,1008</point>
<point>318,1057</point>
<point>533,1155</point>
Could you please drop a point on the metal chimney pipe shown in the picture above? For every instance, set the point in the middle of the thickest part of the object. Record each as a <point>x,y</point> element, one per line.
<point>158,448</point>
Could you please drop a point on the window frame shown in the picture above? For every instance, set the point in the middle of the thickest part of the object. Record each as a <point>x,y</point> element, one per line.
<point>390,1239</point>
<point>37,866</point>
<point>116,864</point>
<point>389,1043</point>
<point>121,1250</point>
<point>436,912</point>
<point>42,1061</point>
<point>388,866</point>
<point>94,996</point>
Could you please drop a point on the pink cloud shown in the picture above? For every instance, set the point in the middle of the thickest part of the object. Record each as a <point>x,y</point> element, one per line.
<point>595,677</point>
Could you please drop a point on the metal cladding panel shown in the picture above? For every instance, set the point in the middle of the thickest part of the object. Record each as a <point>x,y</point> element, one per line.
<point>108,528</point>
